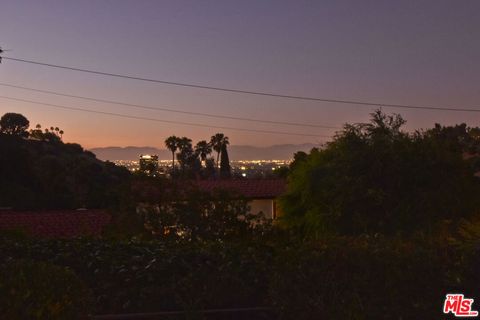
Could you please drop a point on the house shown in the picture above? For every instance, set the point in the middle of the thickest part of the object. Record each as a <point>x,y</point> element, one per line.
<point>262,194</point>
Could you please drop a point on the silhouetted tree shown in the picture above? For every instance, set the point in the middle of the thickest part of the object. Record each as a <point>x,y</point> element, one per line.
<point>458,137</point>
<point>217,141</point>
<point>225,170</point>
<point>210,168</point>
<point>37,133</point>
<point>172,144</point>
<point>203,149</point>
<point>14,124</point>
<point>49,135</point>
<point>185,154</point>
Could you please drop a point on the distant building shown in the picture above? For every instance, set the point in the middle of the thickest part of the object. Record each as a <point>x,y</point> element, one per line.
<point>262,194</point>
<point>149,164</point>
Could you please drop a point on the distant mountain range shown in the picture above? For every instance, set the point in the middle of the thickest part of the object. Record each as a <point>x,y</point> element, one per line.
<point>277,152</point>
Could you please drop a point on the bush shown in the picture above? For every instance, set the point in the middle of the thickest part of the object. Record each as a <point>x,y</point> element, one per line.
<point>365,279</point>
<point>343,278</point>
<point>39,290</point>
<point>153,276</point>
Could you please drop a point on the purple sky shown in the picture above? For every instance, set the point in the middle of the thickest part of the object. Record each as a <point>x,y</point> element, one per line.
<point>403,52</point>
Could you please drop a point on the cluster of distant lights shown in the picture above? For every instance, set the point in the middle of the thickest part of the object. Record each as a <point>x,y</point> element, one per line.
<point>263,161</point>
<point>242,165</point>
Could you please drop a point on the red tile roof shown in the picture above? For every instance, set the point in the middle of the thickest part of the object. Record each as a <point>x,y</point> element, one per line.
<point>56,223</point>
<point>249,188</point>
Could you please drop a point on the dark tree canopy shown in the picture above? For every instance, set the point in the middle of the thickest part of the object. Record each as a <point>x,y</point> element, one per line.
<point>203,149</point>
<point>374,178</point>
<point>225,170</point>
<point>14,124</point>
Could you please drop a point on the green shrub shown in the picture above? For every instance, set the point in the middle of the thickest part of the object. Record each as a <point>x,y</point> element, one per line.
<point>39,290</point>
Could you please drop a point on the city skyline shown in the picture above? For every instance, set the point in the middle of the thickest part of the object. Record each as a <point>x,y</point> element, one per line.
<point>338,50</point>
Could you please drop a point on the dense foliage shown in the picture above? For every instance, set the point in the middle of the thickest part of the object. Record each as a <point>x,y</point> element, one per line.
<point>41,290</point>
<point>153,276</point>
<point>362,278</point>
<point>218,216</point>
<point>374,178</point>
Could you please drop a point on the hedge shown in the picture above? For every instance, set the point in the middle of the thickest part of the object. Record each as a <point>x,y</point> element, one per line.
<point>340,279</point>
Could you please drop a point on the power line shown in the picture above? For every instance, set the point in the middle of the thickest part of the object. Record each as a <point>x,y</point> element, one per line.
<point>258,93</point>
<point>161,120</point>
<point>167,109</point>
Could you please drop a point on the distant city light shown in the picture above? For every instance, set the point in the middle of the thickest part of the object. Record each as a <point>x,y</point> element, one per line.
<point>240,168</point>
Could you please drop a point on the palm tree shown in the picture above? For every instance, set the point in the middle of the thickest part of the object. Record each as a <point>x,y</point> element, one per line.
<point>184,145</point>
<point>172,144</point>
<point>218,141</point>
<point>203,149</point>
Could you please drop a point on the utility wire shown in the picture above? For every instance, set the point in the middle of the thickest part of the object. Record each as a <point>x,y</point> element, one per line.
<point>168,109</point>
<point>161,120</point>
<point>258,93</point>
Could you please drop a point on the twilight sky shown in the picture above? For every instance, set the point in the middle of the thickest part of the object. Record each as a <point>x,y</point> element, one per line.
<point>400,52</point>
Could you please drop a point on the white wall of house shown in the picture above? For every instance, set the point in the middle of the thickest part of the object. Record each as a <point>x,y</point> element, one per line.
<point>262,205</point>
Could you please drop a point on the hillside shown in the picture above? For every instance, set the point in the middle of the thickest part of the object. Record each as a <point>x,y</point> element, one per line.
<point>52,174</point>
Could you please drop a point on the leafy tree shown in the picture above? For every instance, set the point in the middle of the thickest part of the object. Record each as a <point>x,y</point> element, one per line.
<point>217,141</point>
<point>225,170</point>
<point>459,138</point>
<point>172,144</point>
<point>217,216</point>
<point>375,178</point>
<point>14,124</point>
